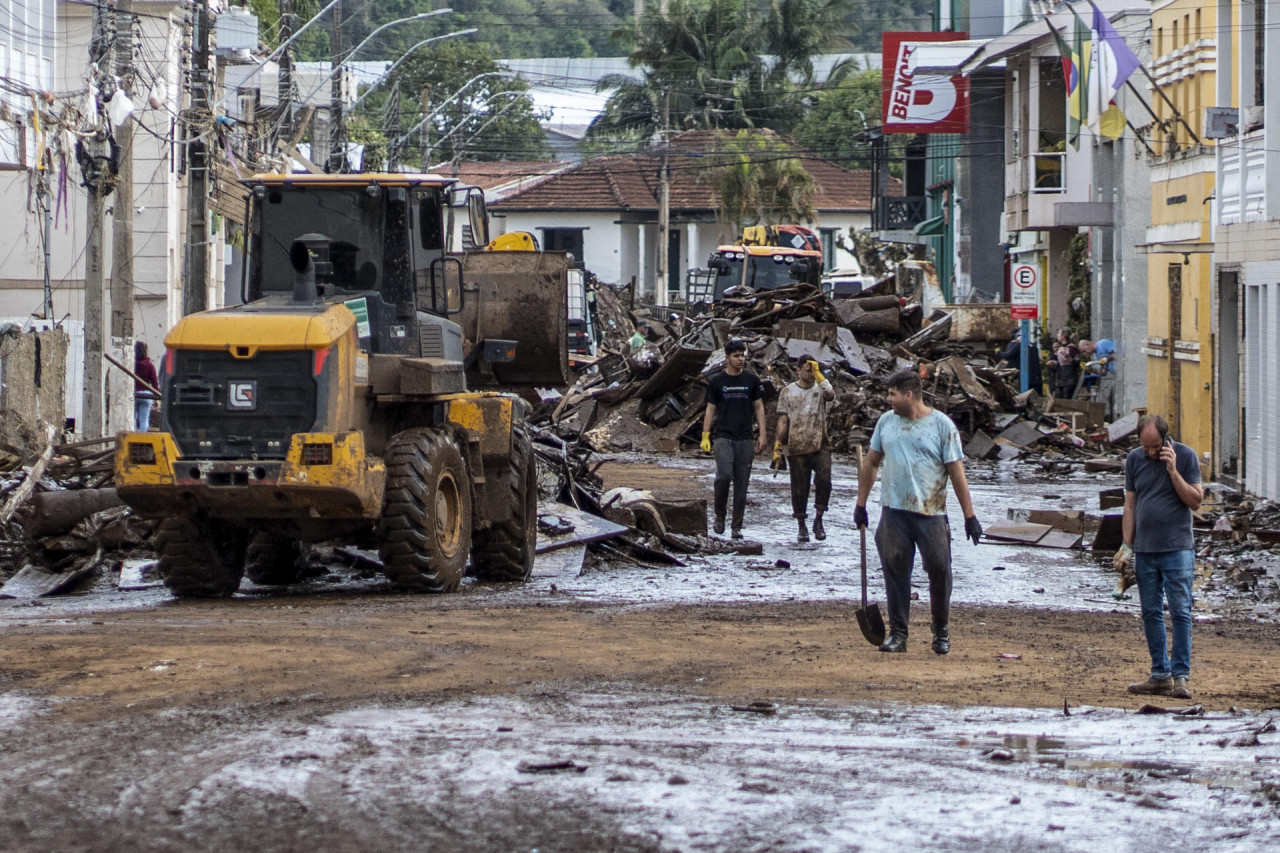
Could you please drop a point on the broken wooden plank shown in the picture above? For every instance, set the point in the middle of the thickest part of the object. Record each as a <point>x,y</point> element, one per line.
<point>1122,428</point>
<point>586,528</point>
<point>1023,532</point>
<point>1059,539</point>
<point>561,563</point>
<point>848,346</point>
<point>980,446</point>
<point>1022,434</point>
<point>1111,498</point>
<point>680,367</point>
<point>1110,534</point>
<point>138,574</point>
<point>31,582</point>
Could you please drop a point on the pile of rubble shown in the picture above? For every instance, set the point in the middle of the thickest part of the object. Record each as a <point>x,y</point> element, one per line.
<point>60,518</point>
<point>653,398</point>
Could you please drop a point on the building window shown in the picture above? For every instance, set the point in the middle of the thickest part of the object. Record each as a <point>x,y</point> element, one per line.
<point>565,240</point>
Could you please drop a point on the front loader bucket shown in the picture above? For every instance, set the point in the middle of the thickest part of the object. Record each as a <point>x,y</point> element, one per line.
<point>518,296</point>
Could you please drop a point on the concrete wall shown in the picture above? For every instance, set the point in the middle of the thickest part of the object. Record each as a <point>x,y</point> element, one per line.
<point>33,368</point>
<point>980,178</point>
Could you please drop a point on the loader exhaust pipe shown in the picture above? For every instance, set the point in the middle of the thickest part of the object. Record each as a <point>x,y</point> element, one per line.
<point>309,257</point>
<point>304,273</point>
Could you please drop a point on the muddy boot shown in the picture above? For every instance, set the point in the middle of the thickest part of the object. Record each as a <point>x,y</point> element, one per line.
<point>941,640</point>
<point>894,644</point>
<point>736,534</point>
<point>718,524</point>
<point>1179,689</point>
<point>802,534</point>
<point>1152,687</point>
<point>819,532</point>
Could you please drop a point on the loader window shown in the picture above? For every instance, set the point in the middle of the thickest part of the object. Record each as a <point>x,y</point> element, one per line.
<point>352,218</point>
<point>430,221</point>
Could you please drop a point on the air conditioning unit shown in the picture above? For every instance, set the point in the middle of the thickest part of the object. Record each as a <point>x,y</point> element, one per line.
<point>236,32</point>
<point>1220,122</point>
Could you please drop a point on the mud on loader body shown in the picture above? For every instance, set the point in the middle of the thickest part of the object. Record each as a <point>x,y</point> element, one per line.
<point>358,393</point>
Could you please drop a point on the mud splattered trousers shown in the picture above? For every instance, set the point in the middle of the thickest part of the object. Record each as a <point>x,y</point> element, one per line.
<point>733,466</point>
<point>804,467</point>
<point>898,536</point>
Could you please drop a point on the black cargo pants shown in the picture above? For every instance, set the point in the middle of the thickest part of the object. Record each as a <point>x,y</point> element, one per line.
<point>898,536</point>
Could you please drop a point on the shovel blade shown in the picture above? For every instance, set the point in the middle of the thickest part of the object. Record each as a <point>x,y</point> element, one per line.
<point>871,623</point>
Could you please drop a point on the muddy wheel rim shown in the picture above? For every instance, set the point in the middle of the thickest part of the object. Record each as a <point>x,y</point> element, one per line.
<point>448,515</point>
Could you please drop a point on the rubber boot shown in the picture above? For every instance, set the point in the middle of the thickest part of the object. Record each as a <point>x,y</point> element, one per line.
<point>819,532</point>
<point>802,534</point>
<point>941,639</point>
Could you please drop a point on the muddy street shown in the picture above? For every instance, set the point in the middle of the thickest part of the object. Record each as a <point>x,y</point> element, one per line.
<point>597,712</point>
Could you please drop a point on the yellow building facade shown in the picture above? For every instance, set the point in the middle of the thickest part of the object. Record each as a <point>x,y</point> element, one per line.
<point>1179,344</point>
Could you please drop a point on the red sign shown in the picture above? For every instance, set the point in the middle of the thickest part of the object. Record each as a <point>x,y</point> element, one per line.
<point>1025,312</point>
<point>912,103</point>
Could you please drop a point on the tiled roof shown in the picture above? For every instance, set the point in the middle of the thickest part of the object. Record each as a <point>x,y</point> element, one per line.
<point>630,182</point>
<point>490,174</point>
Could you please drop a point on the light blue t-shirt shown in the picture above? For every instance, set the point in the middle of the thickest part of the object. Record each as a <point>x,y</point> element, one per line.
<point>915,457</point>
<point>1106,347</point>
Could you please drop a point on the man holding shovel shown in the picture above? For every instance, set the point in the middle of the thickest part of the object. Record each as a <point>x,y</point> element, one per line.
<point>920,449</point>
<point>802,428</point>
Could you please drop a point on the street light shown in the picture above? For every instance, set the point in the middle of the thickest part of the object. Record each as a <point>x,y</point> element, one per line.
<point>351,54</point>
<point>387,74</point>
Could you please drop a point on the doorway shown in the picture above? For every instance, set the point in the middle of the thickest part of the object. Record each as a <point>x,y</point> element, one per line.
<point>1226,361</point>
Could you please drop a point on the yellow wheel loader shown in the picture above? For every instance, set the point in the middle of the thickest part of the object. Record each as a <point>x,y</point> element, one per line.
<point>361,391</point>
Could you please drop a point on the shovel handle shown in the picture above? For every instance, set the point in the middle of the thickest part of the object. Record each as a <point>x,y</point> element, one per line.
<point>862,535</point>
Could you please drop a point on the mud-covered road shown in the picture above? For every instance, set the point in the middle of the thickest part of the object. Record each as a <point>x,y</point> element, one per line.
<point>340,716</point>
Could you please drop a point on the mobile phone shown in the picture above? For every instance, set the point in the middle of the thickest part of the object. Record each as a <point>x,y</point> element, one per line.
<point>1168,442</point>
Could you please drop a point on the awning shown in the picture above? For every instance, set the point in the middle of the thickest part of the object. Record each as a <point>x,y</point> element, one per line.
<point>943,57</point>
<point>933,227</point>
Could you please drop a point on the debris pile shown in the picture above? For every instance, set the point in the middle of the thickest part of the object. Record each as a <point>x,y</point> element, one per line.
<point>60,519</point>
<point>653,398</point>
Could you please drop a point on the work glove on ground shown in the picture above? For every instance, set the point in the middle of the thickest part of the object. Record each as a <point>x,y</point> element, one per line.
<point>973,529</point>
<point>1123,560</point>
<point>706,442</point>
<point>860,517</point>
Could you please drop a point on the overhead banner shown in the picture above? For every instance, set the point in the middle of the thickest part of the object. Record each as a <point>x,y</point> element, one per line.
<point>925,103</point>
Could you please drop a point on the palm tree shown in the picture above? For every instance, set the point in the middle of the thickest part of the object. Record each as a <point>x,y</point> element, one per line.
<point>761,182</point>
<point>721,64</point>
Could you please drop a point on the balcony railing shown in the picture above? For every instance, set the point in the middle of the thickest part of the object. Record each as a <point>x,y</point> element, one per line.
<point>900,213</point>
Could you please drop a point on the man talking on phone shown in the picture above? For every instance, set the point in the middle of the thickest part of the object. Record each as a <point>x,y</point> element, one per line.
<point>1161,488</point>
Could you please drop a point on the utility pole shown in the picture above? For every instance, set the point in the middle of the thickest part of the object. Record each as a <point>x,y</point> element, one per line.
<point>195,287</point>
<point>96,179</point>
<point>337,132</point>
<point>393,127</point>
<point>284,123</point>
<point>120,385</point>
<point>664,192</point>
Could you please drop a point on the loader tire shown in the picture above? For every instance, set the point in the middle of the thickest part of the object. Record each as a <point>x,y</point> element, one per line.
<point>200,558</point>
<point>425,530</point>
<point>505,552</point>
<point>275,560</point>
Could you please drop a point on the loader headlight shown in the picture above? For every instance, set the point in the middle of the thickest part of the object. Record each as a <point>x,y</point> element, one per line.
<point>142,453</point>
<point>317,454</point>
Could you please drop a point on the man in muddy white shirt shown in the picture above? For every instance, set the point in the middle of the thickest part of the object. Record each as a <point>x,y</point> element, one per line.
<point>802,428</point>
<point>920,449</point>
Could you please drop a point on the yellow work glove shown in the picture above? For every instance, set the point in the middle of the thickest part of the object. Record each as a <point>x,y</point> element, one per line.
<point>1123,559</point>
<point>817,373</point>
<point>777,452</point>
<point>706,442</point>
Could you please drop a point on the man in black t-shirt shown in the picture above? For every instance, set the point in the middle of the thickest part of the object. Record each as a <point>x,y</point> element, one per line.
<point>734,396</point>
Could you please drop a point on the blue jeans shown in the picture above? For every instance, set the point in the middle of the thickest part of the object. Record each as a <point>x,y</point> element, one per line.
<point>142,414</point>
<point>1166,575</point>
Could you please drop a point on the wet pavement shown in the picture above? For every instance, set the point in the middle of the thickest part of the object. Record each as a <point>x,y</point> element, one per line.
<point>622,769</point>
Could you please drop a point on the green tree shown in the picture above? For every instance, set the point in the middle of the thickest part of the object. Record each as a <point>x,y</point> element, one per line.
<point>478,113</point>
<point>720,64</point>
<point>840,112</point>
<point>760,181</point>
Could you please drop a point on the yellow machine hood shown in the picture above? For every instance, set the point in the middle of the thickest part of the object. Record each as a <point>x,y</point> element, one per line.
<point>266,325</point>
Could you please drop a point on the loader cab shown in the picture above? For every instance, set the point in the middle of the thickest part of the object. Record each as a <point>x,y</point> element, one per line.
<point>378,243</point>
<point>763,267</point>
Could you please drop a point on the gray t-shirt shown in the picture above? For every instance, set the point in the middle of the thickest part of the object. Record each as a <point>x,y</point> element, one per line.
<point>1162,522</point>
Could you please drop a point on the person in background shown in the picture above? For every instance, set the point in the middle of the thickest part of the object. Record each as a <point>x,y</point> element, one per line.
<point>143,397</point>
<point>734,396</point>
<point>1161,490</point>
<point>1011,357</point>
<point>640,338</point>
<point>802,427</point>
<point>1067,358</point>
